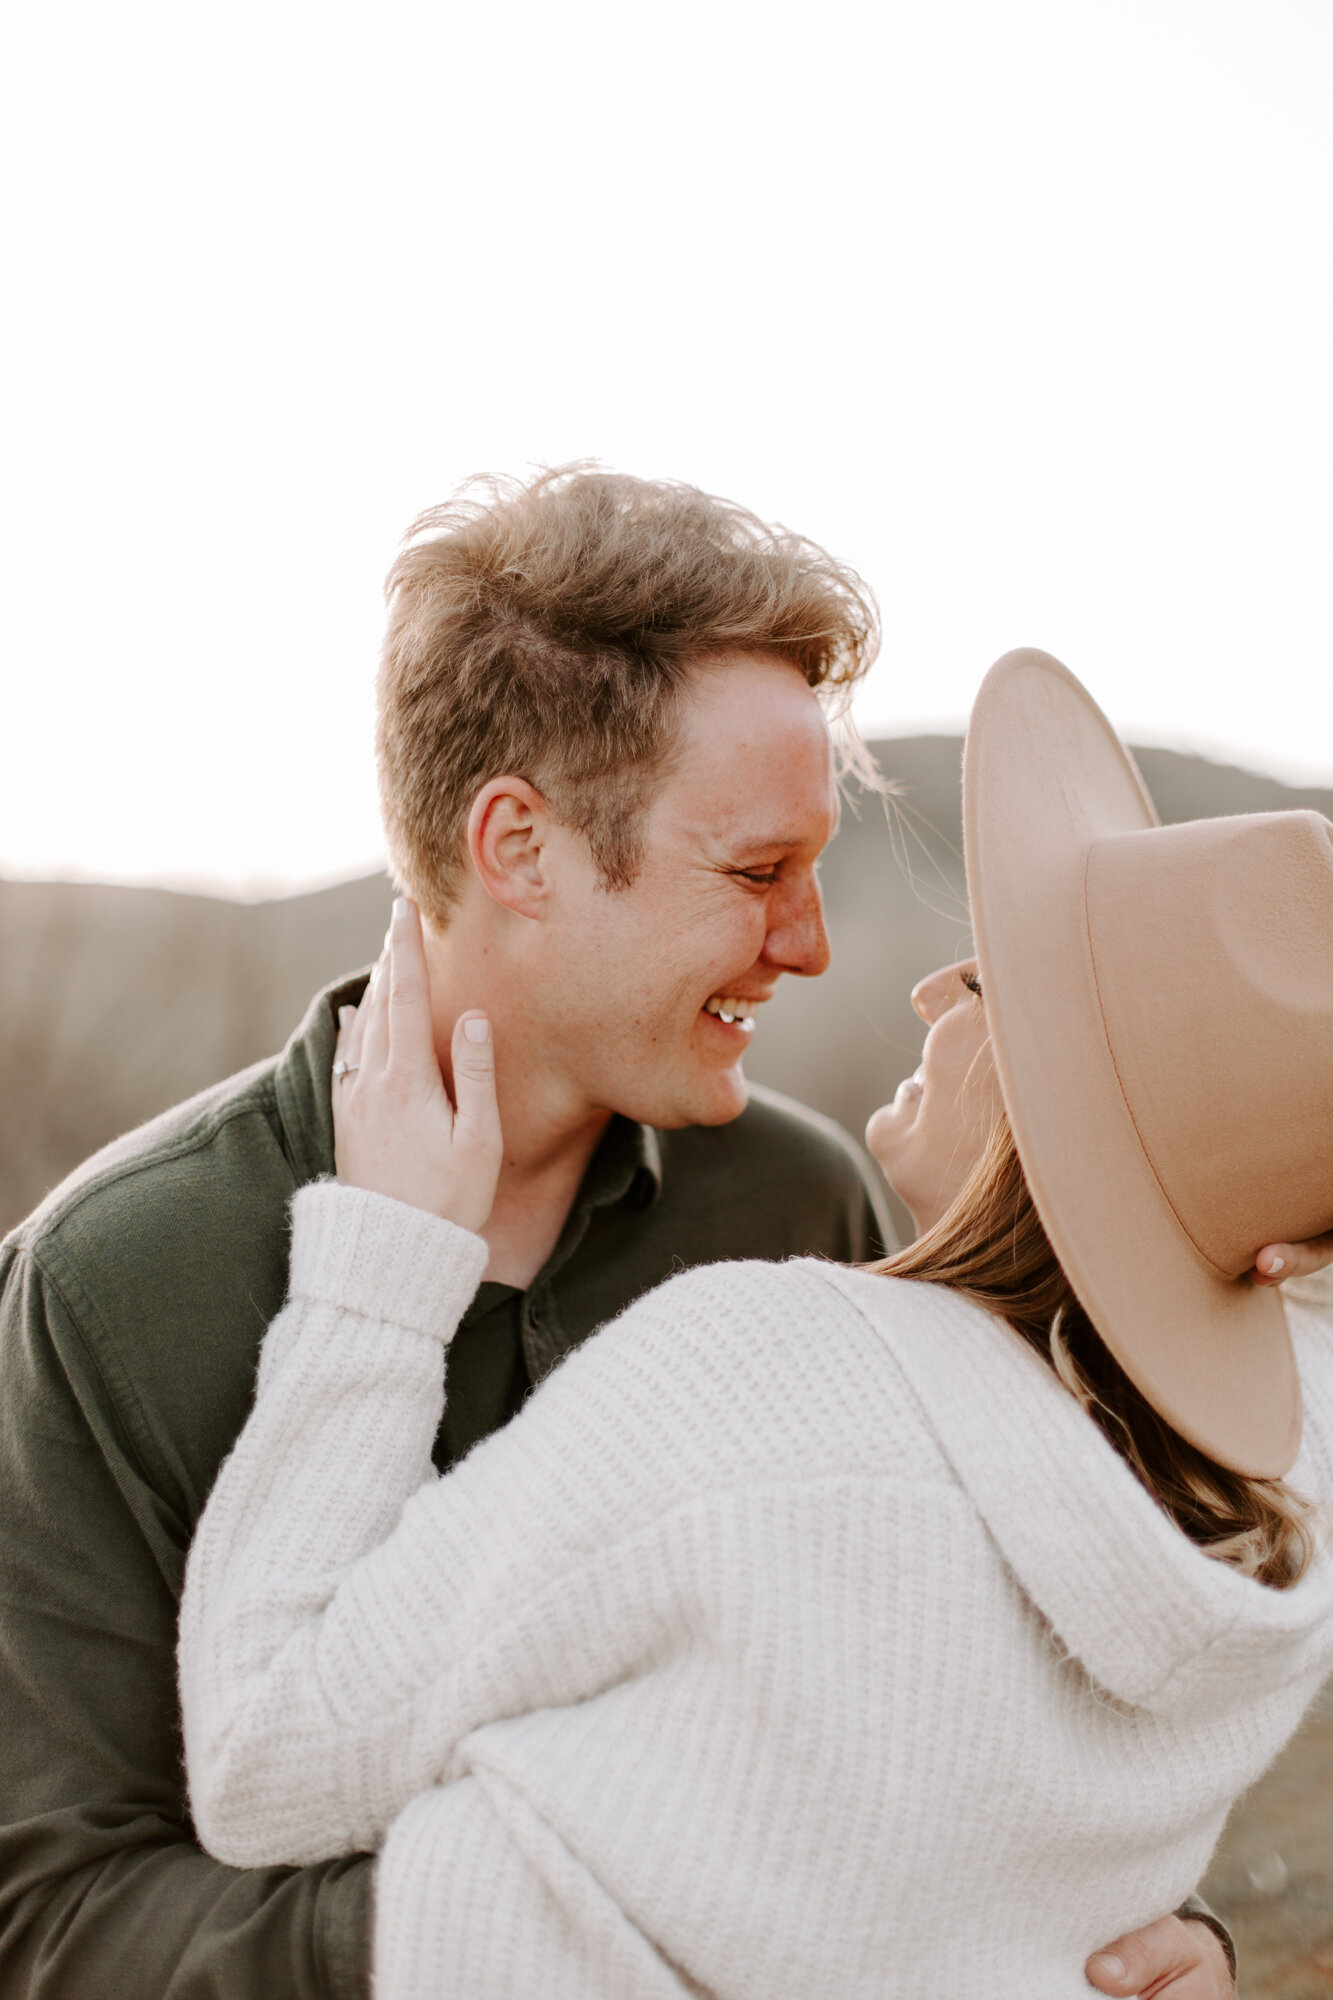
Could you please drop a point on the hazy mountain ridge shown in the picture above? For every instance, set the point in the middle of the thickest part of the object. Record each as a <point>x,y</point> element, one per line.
<point>116,1002</point>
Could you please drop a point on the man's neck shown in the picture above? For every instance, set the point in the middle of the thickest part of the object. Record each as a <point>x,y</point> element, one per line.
<point>550,1135</point>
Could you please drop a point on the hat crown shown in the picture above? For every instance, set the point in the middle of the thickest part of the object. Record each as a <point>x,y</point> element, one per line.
<point>1212,955</point>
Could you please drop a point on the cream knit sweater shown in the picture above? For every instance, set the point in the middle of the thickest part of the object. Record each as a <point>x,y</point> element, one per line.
<point>800,1640</point>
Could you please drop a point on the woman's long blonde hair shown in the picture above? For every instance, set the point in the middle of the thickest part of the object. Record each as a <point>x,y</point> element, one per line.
<point>991,1246</point>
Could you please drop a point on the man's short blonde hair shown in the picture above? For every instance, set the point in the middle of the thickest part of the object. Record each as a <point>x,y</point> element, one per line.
<point>547,631</point>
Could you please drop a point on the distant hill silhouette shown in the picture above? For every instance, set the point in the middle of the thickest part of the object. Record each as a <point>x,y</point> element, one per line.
<point>117,1002</point>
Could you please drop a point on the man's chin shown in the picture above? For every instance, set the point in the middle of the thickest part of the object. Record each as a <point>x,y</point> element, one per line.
<point>711,1100</point>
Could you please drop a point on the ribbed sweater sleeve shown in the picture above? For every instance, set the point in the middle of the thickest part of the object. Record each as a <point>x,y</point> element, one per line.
<point>272,1647</point>
<point>348,1616</point>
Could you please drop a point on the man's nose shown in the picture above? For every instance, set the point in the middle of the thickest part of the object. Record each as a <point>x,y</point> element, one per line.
<point>797,939</point>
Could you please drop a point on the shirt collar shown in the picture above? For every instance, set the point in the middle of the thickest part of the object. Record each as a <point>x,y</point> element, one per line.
<point>627,1163</point>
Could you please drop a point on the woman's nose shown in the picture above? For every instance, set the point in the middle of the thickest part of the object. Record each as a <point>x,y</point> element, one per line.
<point>923,996</point>
<point>938,990</point>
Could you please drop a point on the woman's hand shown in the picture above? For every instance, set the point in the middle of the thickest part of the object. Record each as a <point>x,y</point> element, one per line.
<point>395,1131</point>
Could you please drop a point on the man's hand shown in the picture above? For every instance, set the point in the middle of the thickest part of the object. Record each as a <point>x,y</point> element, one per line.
<point>1277,1262</point>
<point>1174,1959</point>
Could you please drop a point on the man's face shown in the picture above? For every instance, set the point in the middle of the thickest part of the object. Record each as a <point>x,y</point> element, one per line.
<point>726,902</point>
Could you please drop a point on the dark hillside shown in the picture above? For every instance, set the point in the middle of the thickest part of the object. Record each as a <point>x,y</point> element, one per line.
<point>116,1002</point>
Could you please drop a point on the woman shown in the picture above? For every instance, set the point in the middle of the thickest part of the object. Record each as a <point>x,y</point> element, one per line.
<point>729,1670</point>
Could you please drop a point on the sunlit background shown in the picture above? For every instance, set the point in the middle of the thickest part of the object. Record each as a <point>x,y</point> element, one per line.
<point>1024,306</point>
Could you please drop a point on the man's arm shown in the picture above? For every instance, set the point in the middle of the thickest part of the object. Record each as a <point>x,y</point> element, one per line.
<point>103,1889</point>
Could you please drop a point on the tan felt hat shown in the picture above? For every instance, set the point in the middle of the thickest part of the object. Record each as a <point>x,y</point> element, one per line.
<point>1160,1001</point>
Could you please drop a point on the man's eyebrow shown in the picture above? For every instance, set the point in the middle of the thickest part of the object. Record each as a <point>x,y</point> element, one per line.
<point>787,843</point>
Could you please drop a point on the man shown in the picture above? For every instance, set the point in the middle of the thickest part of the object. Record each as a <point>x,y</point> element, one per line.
<point>606,778</point>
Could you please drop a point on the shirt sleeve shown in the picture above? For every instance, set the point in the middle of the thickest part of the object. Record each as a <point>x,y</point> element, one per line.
<point>1195,1910</point>
<point>349,1618</point>
<point>104,1889</point>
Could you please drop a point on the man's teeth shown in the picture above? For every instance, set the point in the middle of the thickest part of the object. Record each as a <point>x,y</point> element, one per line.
<point>738,1011</point>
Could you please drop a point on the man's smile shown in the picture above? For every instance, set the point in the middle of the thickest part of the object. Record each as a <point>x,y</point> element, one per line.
<point>732,1011</point>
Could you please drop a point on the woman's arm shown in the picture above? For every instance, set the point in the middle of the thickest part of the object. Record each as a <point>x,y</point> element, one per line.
<point>349,1394</point>
<point>348,1618</point>
<point>277,1633</point>
<point>345,1625</point>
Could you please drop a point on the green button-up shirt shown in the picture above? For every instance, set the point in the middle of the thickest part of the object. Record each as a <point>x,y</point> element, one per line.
<point>132,1305</point>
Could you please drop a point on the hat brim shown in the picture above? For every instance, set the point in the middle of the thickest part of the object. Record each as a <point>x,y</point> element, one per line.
<point>1044,775</point>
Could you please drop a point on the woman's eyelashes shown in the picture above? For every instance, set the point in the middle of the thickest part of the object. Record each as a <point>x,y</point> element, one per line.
<point>971,981</point>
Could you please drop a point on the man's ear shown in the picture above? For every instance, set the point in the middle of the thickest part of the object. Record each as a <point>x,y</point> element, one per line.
<point>508,833</point>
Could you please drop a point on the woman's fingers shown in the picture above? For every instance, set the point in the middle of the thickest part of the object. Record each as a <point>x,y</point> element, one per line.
<point>477,1146</point>
<point>476,1110</point>
<point>356,1033</point>
<point>352,1024</point>
<point>350,1035</point>
<point>1277,1262</point>
<point>411,1036</point>
<point>395,1130</point>
<point>373,1017</point>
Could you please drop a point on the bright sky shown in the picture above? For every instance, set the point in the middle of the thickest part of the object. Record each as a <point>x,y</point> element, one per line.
<point>1024,306</point>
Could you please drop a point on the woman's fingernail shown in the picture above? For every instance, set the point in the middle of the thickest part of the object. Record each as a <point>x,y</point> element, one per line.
<point>1108,1965</point>
<point>1272,1265</point>
<point>401,907</point>
<point>477,1028</point>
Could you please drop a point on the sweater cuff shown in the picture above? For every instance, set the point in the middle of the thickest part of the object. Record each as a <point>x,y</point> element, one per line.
<point>369,1255</point>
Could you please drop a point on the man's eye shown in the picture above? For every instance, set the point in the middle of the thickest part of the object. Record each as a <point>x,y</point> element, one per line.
<point>766,877</point>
